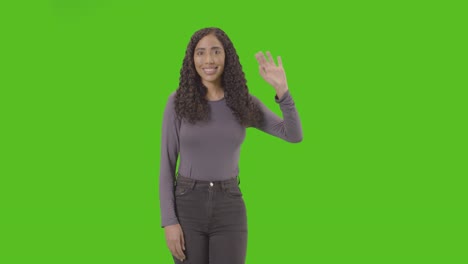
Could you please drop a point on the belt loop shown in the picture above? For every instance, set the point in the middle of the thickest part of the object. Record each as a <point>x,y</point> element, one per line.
<point>223,185</point>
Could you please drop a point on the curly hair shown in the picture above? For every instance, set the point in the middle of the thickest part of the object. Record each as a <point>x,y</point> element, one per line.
<point>190,102</point>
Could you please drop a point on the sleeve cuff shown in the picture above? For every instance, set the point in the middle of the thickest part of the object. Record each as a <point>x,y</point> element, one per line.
<point>168,223</point>
<point>285,95</point>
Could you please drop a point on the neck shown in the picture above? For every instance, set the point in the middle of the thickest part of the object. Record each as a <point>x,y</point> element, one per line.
<point>214,91</point>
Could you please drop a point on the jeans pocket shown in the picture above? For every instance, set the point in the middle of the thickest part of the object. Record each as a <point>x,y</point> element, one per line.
<point>234,192</point>
<point>182,189</point>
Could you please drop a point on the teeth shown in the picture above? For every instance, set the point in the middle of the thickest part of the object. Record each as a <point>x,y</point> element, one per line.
<point>210,70</point>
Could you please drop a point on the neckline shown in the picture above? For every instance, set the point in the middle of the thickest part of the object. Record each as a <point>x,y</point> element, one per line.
<point>214,101</point>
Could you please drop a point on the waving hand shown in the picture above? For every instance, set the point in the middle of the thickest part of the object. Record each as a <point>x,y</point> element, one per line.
<point>272,74</point>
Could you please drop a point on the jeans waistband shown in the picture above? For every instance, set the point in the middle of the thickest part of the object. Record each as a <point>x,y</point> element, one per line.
<point>223,184</point>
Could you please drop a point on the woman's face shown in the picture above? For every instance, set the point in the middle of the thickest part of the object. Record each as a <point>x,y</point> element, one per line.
<point>209,60</point>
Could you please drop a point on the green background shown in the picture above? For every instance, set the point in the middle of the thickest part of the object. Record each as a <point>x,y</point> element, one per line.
<point>380,87</point>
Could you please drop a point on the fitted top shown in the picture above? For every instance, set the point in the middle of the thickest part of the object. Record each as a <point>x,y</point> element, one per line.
<point>209,150</point>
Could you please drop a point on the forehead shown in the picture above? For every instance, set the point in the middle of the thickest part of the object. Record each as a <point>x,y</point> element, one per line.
<point>208,42</point>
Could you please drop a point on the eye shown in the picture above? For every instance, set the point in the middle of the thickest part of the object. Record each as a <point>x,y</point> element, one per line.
<point>199,53</point>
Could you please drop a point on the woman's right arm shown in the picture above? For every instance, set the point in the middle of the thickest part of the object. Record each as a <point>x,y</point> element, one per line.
<point>169,156</point>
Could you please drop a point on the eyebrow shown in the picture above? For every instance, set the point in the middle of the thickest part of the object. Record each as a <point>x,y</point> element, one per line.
<point>215,47</point>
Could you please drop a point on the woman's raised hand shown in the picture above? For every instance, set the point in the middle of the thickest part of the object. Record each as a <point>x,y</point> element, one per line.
<point>272,74</point>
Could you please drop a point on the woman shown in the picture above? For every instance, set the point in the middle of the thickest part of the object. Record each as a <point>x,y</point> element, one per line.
<point>204,216</point>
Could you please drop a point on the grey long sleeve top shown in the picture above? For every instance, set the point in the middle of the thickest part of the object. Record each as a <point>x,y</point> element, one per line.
<point>210,150</point>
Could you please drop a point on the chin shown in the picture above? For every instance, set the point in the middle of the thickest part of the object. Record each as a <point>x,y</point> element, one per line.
<point>212,78</point>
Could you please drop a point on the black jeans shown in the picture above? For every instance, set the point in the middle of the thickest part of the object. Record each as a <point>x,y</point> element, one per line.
<point>213,219</point>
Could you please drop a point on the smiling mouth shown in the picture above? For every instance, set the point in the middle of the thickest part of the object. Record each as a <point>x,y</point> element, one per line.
<point>210,71</point>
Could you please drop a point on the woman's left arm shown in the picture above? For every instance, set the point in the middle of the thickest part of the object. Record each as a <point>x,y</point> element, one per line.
<point>289,128</point>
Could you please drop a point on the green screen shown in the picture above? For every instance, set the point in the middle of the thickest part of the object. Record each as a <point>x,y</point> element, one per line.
<point>380,87</point>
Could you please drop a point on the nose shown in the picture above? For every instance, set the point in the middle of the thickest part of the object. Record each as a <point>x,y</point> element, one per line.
<point>209,58</point>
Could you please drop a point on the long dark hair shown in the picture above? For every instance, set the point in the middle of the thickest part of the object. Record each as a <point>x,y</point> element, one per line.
<point>190,102</point>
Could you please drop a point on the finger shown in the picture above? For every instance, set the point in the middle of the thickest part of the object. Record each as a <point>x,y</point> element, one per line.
<point>182,240</point>
<point>174,251</point>
<point>262,70</point>
<point>261,58</point>
<point>270,58</point>
<point>179,251</point>
<point>280,62</point>
<point>258,56</point>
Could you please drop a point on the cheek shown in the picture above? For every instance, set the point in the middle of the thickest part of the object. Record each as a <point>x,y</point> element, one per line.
<point>196,61</point>
<point>221,61</point>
